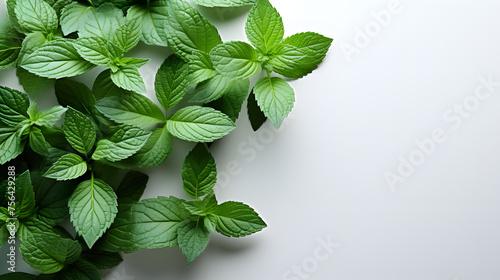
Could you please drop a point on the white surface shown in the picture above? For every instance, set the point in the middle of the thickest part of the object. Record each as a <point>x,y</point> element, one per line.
<point>323,174</point>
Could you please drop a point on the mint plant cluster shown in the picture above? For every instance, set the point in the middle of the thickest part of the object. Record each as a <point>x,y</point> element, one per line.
<point>63,162</point>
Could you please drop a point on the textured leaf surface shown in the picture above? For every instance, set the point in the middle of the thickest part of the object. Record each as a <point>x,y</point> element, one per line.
<point>102,22</point>
<point>56,59</point>
<point>275,97</point>
<point>236,219</point>
<point>13,106</point>
<point>153,21</point>
<point>199,124</point>
<point>129,78</point>
<point>93,208</point>
<point>79,131</point>
<point>231,102</point>
<point>199,173</point>
<point>74,94</point>
<point>10,145</point>
<point>131,109</point>
<point>97,50</point>
<point>123,144</point>
<point>67,167</point>
<point>193,239</point>
<point>73,16</point>
<point>36,15</point>
<point>264,26</point>
<point>212,89</point>
<point>171,82</point>
<point>187,30</point>
<point>236,60</point>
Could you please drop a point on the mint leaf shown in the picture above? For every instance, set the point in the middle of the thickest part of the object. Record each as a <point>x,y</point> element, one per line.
<point>92,208</point>
<point>31,42</point>
<point>128,78</point>
<point>102,22</point>
<point>25,197</point>
<point>67,167</point>
<point>255,114</point>
<point>98,51</point>
<point>224,3</point>
<point>199,173</point>
<point>10,145</point>
<point>201,67</point>
<point>48,252</point>
<point>236,60</point>
<point>131,109</point>
<point>300,54</point>
<point>56,59</point>
<point>187,30</point>
<point>104,86</point>
<point>155,151</point>
<point>79,270</point>
<point>230,103</point>
<point>264,26</point>
<point>153,21</point>
<point>199,124</point>
<point>73,16</point>
<point>149,224</point>
<point>13,106</point>
<point>102,259</point>
<point>79,131</point>
<point>275,97</point>
<point>58,5</point>
<point>193,238</point>
<point>11,10</point>
<point>236,219</point>
<point>36,15</point>
<point>123,144</point>
<point>38,143</point>
<point>9,51</point>
<point>128,35</point>
<point>51,198</point>
<point>171,82</point>
<point>212,89</point>
<point>50,116</point>
<point>74,94</point>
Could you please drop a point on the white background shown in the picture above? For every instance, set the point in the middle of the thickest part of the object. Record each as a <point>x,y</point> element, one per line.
<point>323,175</point>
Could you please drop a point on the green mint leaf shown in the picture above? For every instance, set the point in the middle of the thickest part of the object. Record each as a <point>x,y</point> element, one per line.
<point>67,167</point>
<point>9,51</point>
<point>201,67</point>
<point>224,3</point>
<point>149,224</point>
<point>152,19</point>
<point>79,270</point>
<point>25,197</point>
<point>236,219</point>
<point>58,5</point>
<point>52,198</point>
<point>135,62</point>
<point>300,54</point>
<point>38,143</point>
<point>236,60</point>
<point>131,109</point>
<point>102,22</point>
<point>128,35</point>
<point>131,188</point>
<point>231,102</point>
<point>98,51</point>
<point>10,145</point>
<point>264,26</point>
<point>125,142</point>
<point>199,173</point>
<point>209,224</point>
<point>128,78</point>
<point>74,94</point>
<point>92,208</point>
<point>102,259</point>
<point>31,42</point>
<point>11,10</point>
<point>50,116</point>
<point>199,124</point>
<point>56,59</point>
<point>79,131</point>
<point>187,30</point>
<point>275,97</point>
<point>171,82</point>
<point>35,251</point>
<point>212,89</point>
<point>104,86</point>
<point>155,151</point>
<point>36,15</point>
<point>255,114</point>
<point>193,238</point>
<point>73,16</point>
<point>13,106</point>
